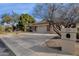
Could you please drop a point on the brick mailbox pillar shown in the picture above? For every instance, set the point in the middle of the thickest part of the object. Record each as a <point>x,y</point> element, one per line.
<point>69,41</point>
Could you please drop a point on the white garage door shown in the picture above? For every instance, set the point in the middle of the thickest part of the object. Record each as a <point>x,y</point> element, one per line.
<point>42,29</point>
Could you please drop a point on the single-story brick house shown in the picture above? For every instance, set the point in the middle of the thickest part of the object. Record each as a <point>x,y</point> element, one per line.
<point>42,27</point>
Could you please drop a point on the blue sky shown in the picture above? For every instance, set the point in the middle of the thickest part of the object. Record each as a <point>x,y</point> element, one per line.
<point>18,8</point>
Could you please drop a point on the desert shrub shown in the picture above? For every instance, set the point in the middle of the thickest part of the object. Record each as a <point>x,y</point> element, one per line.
<point>1,29</point>
<point>9,29</point>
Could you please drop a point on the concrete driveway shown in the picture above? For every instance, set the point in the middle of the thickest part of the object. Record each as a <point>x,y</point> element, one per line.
<point>30,44</point>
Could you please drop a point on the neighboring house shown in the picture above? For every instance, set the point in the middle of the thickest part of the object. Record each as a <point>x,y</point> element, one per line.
<point>13,25</point>
<point>42,27</point>
<point>7,24</point>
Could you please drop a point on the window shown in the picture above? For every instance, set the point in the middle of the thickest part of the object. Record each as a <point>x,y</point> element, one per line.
<point>77,34</point>
<point>68,35</point>
<point>77,29</point>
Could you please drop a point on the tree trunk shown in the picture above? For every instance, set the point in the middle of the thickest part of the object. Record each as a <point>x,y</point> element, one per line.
<point>25,28</point>
<point>56,28</point>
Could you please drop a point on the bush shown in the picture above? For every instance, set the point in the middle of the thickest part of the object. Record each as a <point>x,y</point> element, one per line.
<point>1,29</point>
<point>9,29</point>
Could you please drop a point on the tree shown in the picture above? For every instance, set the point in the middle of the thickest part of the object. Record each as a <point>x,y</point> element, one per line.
<point>47,11</point>
<point>15,20</point>
<point>6,18</point>
<point>15,17</point>
<point>58,15</point>
<point>24,21</point>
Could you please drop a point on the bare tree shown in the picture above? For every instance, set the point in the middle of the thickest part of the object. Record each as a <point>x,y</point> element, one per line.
<point>58,15</point>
